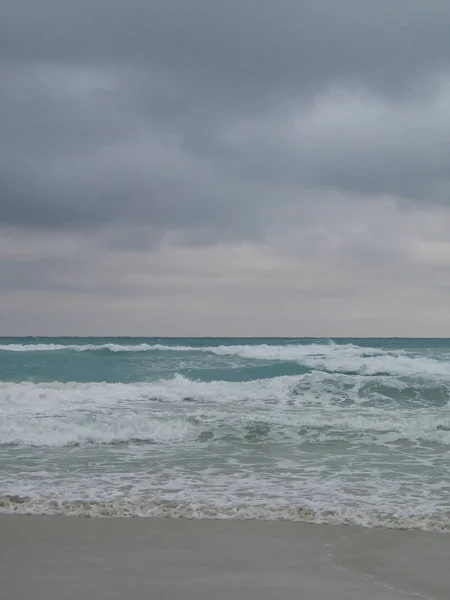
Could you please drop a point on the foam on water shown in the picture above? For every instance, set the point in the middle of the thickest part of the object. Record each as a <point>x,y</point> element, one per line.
<point>439,522</point>
<point>331,357</point>
<point>83,347</point>
<point>169,411</point>
<point>360,436</point>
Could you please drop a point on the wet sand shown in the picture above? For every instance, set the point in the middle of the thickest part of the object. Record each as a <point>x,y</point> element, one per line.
<point>63,558</point>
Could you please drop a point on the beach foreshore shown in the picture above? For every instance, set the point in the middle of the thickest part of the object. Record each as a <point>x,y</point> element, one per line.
<point>64,558</point>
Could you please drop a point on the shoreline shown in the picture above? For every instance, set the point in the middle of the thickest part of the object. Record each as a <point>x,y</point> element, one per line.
<point>11,504</point>
<point>67,558</point>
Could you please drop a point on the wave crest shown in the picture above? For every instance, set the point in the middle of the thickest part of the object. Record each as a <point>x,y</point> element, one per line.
<point>330,357</point>
<point>306,408</point>
<point>13,504</point>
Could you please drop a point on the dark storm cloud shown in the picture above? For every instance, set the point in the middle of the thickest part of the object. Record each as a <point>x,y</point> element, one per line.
<point>133,112</point>
<point>386,43</point>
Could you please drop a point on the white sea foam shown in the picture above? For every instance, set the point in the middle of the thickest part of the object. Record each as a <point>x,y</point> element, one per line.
<point>375,365</point>
<point>289,352</point>
<point>258,351</point>
<point>83,347</point>
<point>301,408</point>
<point>95,347</point>
<point>347,358</point>
<point>64,414</point>
<point>342,358</point>
<point>28,395</point>
<point>76,431</point>
<point>32,347</point>
<point>362,438</point>
<point>439,521</point>
<point>85,431</point>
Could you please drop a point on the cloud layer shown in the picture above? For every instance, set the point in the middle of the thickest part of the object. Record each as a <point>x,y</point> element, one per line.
<point>196,168</point>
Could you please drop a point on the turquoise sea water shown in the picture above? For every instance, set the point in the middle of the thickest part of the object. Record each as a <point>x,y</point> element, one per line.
<point>336,431</point>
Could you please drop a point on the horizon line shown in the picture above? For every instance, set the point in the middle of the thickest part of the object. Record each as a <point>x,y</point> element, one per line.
<point>230,337</point>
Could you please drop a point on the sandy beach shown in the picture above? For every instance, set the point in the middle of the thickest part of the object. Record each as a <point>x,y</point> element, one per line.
<point>63,558</point>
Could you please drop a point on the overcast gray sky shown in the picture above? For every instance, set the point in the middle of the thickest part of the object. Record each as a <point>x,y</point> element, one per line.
<point>243,167</point>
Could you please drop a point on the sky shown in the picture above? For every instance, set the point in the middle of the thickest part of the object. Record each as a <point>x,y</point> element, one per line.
<point>238,168</point>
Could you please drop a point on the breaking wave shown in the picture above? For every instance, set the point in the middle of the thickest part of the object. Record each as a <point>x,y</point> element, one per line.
<point>331,357</point>
<point>312,408</point>
<point>13,504</point>
<point>318,432</point>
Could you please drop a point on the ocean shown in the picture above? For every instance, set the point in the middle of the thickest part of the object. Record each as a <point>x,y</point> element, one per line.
<point>343,431</point>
